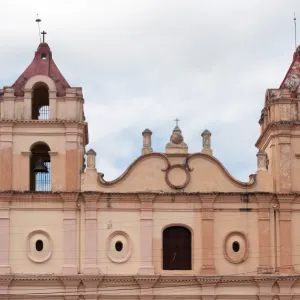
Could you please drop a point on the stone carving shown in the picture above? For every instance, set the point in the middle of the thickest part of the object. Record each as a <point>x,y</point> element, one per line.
<point>285,167</point>
<point>271,95</point>
<point>292,80</point>
<point>206,142</point>
<point>285,112</point>
<point>176,137</point>
<point>147,148</point>
<point>176,144</point>
<point>91,159</point>
<point>177,176</point>
<point>293,112</point>
<point>262,159</point>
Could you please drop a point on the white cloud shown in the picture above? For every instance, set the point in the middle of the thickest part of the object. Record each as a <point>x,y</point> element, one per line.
<point>144,63</point>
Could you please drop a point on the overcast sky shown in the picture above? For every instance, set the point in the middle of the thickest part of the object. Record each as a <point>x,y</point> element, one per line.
<point>143,63</point>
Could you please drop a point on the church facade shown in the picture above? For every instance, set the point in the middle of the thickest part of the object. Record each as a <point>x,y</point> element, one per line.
<point>174,225</point>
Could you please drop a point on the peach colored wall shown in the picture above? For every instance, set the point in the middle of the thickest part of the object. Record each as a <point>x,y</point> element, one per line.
<point>22,223</point>
<point>19,110</point>
<point>60,109</point>
<point>110,222</point>
<point>227,221</point>
<point>148,175</point>
<point>296,237</point>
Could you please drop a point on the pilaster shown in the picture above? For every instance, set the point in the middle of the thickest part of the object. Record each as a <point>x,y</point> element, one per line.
<point>52,105</point>
<point>55,167</point>
<point>9,103</point>
<point>6,157</point>
<point>146,232</point>
<point>285,162</point>
<point>69,228</point>
<point>285,232</point>
<point>4,233</point>
<point>24,180</point>
<point>264,234</point>
<point>27,104</point>
<point>91,233</point>
<point>72,158</point>
<point>208,266</point>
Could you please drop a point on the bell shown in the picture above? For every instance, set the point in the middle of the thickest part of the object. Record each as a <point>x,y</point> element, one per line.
<point>40,166</point>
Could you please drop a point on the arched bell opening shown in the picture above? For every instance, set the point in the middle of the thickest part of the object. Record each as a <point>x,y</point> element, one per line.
<point>40,102</point>
<point>40,168</point>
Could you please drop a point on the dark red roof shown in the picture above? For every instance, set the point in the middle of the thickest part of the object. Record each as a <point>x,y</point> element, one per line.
<point>292,77</point>
<point>42,64</point>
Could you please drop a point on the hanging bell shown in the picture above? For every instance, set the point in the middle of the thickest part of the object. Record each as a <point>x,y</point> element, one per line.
<point>40,166</point>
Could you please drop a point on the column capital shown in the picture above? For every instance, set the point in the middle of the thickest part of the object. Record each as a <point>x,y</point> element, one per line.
<point>146,281</point>
<point>91,199</point>
<point>285,284</point>
<point>70,200</point>
<point>264,199</point>
<point>149,198</point>
<point>285,198</point>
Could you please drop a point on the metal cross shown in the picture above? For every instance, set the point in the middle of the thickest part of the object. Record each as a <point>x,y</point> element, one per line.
<point>176,120</point>
<point>43,33</point>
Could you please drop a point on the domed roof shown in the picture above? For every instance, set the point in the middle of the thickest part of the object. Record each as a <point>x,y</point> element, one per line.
<point>42,64</point>
<point>292,78</point>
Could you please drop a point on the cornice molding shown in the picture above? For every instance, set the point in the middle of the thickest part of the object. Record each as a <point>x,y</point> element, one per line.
<point>275,125</point>
<point>287,280</point>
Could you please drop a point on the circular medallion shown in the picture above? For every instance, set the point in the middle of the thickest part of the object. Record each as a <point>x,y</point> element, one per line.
<point>119,247</point>
<point>177,177</point>
<point>235,247</point>
<point>39,246</point>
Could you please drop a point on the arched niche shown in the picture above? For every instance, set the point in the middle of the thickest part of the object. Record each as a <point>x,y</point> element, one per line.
<point>39,90</point>
<point>40,79</point>
<point>40,167</point>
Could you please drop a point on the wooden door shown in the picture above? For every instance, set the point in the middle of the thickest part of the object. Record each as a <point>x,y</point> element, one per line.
<point>177,248</point>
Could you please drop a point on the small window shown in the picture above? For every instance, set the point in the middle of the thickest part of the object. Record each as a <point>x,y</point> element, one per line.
<point>236,246</point>
<point>39,245</point>
<point>43,56</point>
<point>177,248</point>
<point>119,246</point>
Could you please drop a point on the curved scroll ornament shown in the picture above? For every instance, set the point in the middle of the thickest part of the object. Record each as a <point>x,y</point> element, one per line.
<point>252,177</point>
<point>103,182</point>
<point>178,176</point>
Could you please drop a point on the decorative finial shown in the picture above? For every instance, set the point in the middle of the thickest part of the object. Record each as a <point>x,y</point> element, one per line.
<point>176,120</point>
<point>206,142</point>
<point>147,147</point>
<point>91,159</point>
<point>44,33</point>
<point>38,20</point>
<point>262,160</point>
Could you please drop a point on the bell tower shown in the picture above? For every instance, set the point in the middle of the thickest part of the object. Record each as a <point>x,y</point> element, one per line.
<point>43,133</point>
<point>280,130</point>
